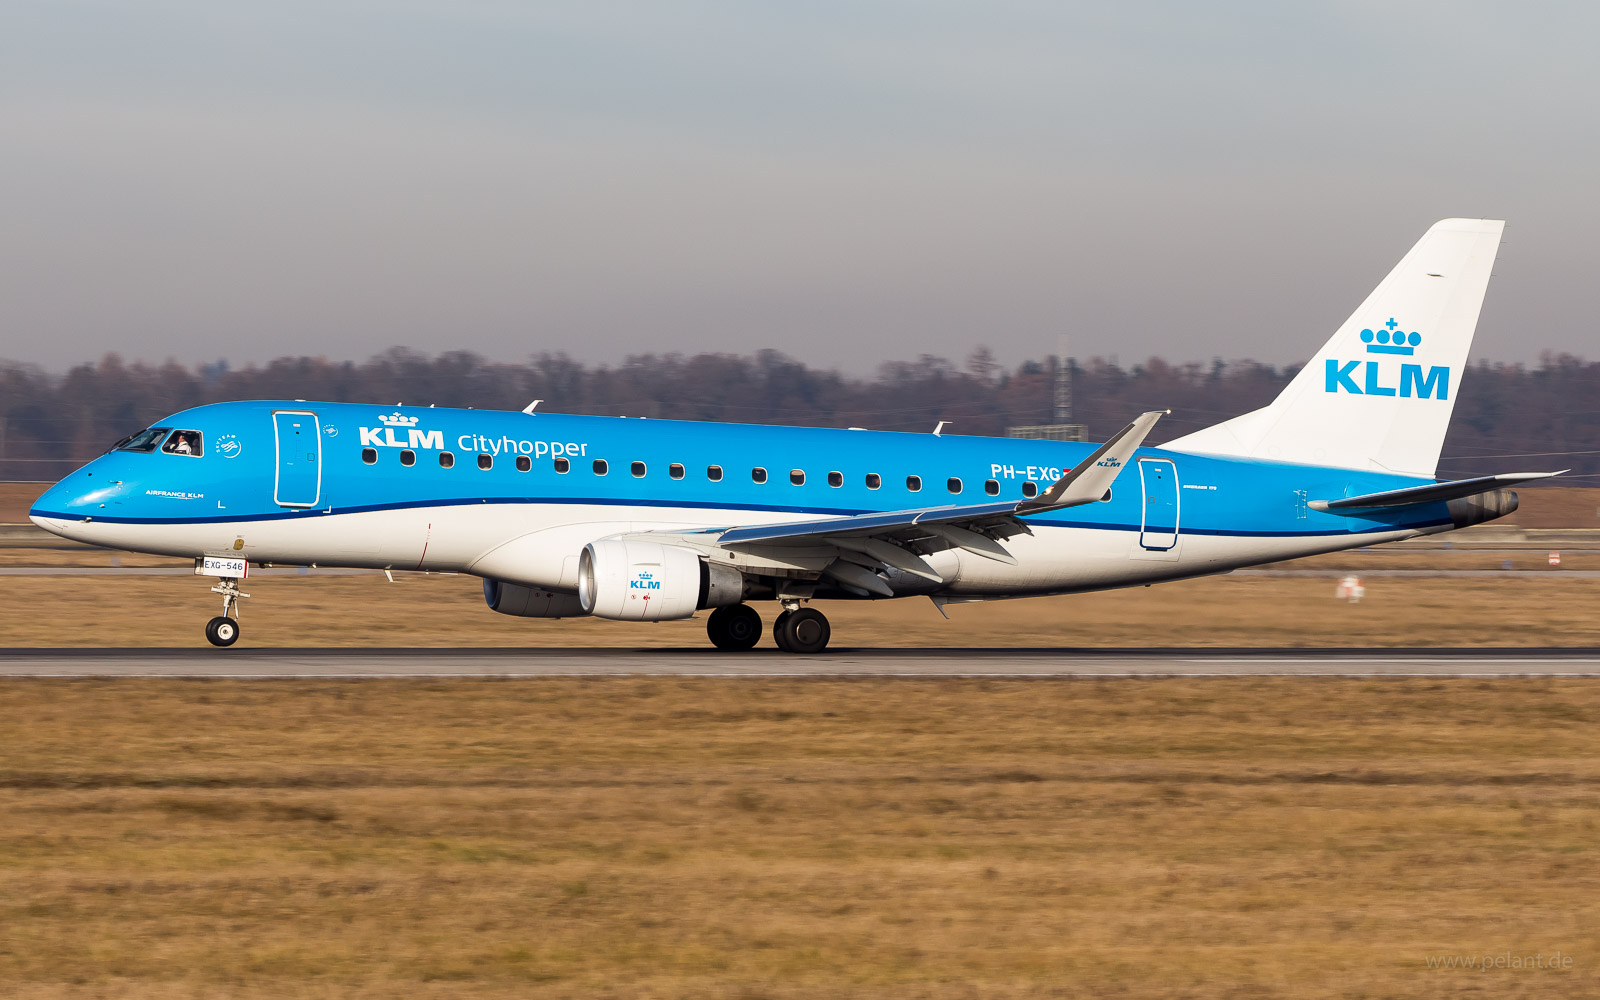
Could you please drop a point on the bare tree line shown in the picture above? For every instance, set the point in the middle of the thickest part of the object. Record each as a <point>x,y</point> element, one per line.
<point>1508,417</point>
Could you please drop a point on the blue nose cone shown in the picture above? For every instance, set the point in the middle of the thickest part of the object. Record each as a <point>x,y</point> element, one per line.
<point>78,499</point>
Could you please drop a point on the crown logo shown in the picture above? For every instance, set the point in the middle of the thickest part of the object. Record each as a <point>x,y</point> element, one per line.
<point>1390,339</point>
<point>398,419</point>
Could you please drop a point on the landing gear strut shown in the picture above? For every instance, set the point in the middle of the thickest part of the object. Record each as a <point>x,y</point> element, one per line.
<point>223,630</point>
<point>737,626</point>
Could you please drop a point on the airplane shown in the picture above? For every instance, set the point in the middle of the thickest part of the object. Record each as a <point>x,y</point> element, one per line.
<point>638,519</point>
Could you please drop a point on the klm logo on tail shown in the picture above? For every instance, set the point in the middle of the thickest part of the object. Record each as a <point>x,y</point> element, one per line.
<point>1388,339</point>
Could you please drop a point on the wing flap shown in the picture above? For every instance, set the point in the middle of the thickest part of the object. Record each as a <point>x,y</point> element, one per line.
<point>865,525</point>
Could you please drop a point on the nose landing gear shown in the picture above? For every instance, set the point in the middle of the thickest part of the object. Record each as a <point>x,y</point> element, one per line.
<point>223,630</point>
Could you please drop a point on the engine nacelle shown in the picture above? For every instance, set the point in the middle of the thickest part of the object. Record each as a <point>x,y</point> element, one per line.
<point>530,602</point>
<point>633,580</point>
<point>1481,507</point>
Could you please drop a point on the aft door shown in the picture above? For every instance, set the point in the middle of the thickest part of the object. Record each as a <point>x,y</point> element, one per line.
<point>1159,528</point>
<point>299,478</point>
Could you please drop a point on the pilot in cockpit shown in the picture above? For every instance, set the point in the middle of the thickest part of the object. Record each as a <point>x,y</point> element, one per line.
<point>183,443</point>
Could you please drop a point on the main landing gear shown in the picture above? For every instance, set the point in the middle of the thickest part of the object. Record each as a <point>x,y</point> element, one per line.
<point>734,627</point>
<point>223,630</point>
<point>796,630</point>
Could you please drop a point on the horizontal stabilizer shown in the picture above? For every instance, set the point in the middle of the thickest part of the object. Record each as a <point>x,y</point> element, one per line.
<point>1430,493</point>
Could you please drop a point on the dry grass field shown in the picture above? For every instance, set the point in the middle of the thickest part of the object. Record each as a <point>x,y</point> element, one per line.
<point>449,611</point>
<point>784,838</point>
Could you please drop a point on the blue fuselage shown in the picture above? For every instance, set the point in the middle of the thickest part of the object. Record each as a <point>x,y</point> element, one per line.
<point>412,487</point>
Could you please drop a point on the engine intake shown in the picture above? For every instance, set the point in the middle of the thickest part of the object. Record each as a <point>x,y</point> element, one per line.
<point>634,580</point>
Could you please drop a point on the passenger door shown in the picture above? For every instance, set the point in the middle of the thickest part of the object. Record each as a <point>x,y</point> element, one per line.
<point>1158,530</point>
<point>298,481</point>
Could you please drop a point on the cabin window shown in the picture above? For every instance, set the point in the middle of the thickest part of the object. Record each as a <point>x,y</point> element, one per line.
<point>675,470</point>
<point>184,443</point>
<point>874,480</point>
<point>797,477</point>
<point>142,441</point>
<point>563,466</point>
<point>369,456</point>
<point>638,470</point>
<point>714,473</point>
<point>992,487</point>
<point>953,484</point>
<point>1030,490</point>
<point>408,457</point>
<point>447,459</point>
<point>836,479</point>
<point>758,475</point>
<point>524,463</point>
<point>485,461</point>
<point>914,483</point>
<point>600,467</point>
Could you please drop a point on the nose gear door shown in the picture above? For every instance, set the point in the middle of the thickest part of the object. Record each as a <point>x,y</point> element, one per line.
<point>298,479</point>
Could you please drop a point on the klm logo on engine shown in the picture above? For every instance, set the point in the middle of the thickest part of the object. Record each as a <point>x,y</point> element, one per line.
<point>1372,378</point>
<point>644,581</point>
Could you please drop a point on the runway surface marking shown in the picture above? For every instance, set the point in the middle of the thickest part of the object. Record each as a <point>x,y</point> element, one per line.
<point>334,664</point>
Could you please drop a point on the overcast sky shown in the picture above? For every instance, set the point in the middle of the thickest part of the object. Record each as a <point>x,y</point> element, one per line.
<point>847,182</point>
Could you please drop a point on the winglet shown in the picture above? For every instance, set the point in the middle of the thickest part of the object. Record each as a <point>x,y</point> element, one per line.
<point>1091,478</point>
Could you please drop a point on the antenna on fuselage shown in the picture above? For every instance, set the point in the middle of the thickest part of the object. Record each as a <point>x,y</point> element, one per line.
<point>939,430</point>
<point>532,406</point>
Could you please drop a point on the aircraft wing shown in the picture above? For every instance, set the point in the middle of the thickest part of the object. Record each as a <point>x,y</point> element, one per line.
<point>1085,483</point>
<point>1429,493</point>
<point>852,549</point>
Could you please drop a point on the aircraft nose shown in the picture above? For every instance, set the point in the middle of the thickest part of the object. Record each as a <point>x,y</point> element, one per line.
<point>49,524</point>
<point>65,508</point>
<point>52,511</point>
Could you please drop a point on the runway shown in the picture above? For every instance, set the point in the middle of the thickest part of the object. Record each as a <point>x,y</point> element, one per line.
<point>263,664</point>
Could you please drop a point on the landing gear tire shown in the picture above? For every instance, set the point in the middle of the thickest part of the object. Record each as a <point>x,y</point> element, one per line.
<point>778,635</point>
<point>734,627</point>
<point>222,631</point>
<point>802,631</point>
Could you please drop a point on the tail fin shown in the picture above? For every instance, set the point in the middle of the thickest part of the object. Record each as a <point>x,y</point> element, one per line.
<point>1378,396</point>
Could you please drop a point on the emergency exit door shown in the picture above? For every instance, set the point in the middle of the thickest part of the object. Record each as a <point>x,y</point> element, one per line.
<point>1159,528</point>
<point>298,482</point>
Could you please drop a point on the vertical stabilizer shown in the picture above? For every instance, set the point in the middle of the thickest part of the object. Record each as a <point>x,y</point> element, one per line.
<point>1378,396</point>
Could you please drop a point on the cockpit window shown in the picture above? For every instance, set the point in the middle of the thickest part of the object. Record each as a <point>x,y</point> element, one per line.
<point>184,443</point>
<point>143,441</point>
